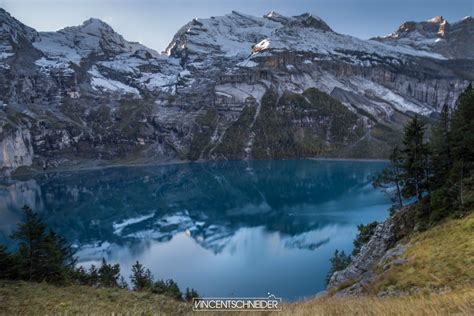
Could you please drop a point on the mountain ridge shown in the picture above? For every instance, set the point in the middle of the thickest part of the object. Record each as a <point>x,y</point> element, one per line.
<point>228,87</point>
<point>436,34</point>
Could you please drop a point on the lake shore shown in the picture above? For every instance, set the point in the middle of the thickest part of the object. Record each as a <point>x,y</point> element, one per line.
<point>99,165</point>
<point>347,159</point>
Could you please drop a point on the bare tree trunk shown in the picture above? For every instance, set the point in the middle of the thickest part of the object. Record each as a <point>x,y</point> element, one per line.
<point>462,186</point>
<point>30,252</point>
<point>399,194</point>
<point>417,187</point>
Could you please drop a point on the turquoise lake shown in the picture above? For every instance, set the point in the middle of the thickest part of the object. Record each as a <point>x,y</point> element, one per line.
<point>223,228</point>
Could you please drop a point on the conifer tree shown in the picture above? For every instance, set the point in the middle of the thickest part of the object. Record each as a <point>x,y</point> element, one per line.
<point>440,148</point>
<point>122,283</point>
<point>93,276</point>
<point>363,236</point>
<point>190,294</point>
<point>30,235</point>
<point>338,262</point>
<point>169,288</point>
<point>415,160</point>
<point>57,261</point>
<point>8,264</point>
<point>392,178</point>
<point>109,274</point>
<point>141,277</point>
<point>462,134</point>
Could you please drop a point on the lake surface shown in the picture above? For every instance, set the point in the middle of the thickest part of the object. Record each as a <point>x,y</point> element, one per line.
<point>223,228</point>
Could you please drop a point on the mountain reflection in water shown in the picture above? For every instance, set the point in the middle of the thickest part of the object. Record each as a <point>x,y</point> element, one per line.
<point>224,228</point>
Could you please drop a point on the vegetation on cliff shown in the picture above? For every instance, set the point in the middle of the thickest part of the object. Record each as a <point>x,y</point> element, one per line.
<point>435,173</point>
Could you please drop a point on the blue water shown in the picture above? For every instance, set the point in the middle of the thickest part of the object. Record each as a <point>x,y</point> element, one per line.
<point>225,228</point>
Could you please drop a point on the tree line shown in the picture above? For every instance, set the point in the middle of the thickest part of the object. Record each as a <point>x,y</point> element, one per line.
<point>432,169</point>
<point>44,256</point>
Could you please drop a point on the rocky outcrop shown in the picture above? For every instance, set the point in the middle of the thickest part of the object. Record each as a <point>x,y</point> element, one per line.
<point>379,254</point>
<point>16,150</point>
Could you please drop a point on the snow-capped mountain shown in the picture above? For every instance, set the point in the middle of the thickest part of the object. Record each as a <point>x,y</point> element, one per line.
<point>436,35</point>
<point>13,35</point>
<point>228,87</point>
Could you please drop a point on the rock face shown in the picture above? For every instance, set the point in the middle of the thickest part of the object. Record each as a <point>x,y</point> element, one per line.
<point>229,87</point>
<point>380,253</point>
<point>16,150</point>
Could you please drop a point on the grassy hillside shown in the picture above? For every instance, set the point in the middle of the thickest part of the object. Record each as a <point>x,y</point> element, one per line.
<point>454,303</point>
<point>441,258</point>
<point>23,298</point>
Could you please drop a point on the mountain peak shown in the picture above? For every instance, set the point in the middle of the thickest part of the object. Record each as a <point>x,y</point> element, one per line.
<point>91,26</point>
<point>272,14</point>
<point>435,35</point>
<point>436,19</point>
<point>95,22</point>
<point>311,21</point>
<point>93,36</point>
<point>12,29</point>
<point>275,16</point>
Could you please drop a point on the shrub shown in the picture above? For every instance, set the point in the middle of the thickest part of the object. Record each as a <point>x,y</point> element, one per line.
<point>363,237</point>
<point>338,262</point>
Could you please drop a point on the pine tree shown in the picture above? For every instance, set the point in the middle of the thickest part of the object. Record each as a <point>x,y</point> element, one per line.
<point>8,264</point>
<point>109,274</point>
<point>42,255</point>
<point>363,236</point>
<point>338,262</point>
<point>392,177</point>
<point>81,276</point>
<point>94,277</point>
<point>440,147</point>
<point>189,295</point>
<point>462,136</point>
<point>194,294</point>
<point>122,283</point>
<point>30,235</point>
<point>141,277</point>
<point>415,160</point>
<point>168,288</point>
<point>57,261</point>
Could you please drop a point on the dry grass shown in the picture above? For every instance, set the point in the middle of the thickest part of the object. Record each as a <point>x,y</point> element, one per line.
<point>23,298</point>
<point>453,303</point>
<point>438,258</point>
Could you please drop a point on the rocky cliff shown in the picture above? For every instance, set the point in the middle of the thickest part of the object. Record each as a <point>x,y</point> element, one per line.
<point>379,254</point>
<point>400,259</point>
<point>229,87</point>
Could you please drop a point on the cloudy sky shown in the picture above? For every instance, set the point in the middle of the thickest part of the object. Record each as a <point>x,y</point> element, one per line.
<point>154,22</point>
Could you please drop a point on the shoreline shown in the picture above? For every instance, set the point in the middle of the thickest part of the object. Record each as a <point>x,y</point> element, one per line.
<point>90,166</point>
<point>348,159</point>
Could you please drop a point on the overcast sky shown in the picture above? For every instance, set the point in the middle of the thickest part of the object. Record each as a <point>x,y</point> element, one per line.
<point>154,22</point>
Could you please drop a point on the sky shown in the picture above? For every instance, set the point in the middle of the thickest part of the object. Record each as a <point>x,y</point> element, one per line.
<point>154,22</point>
